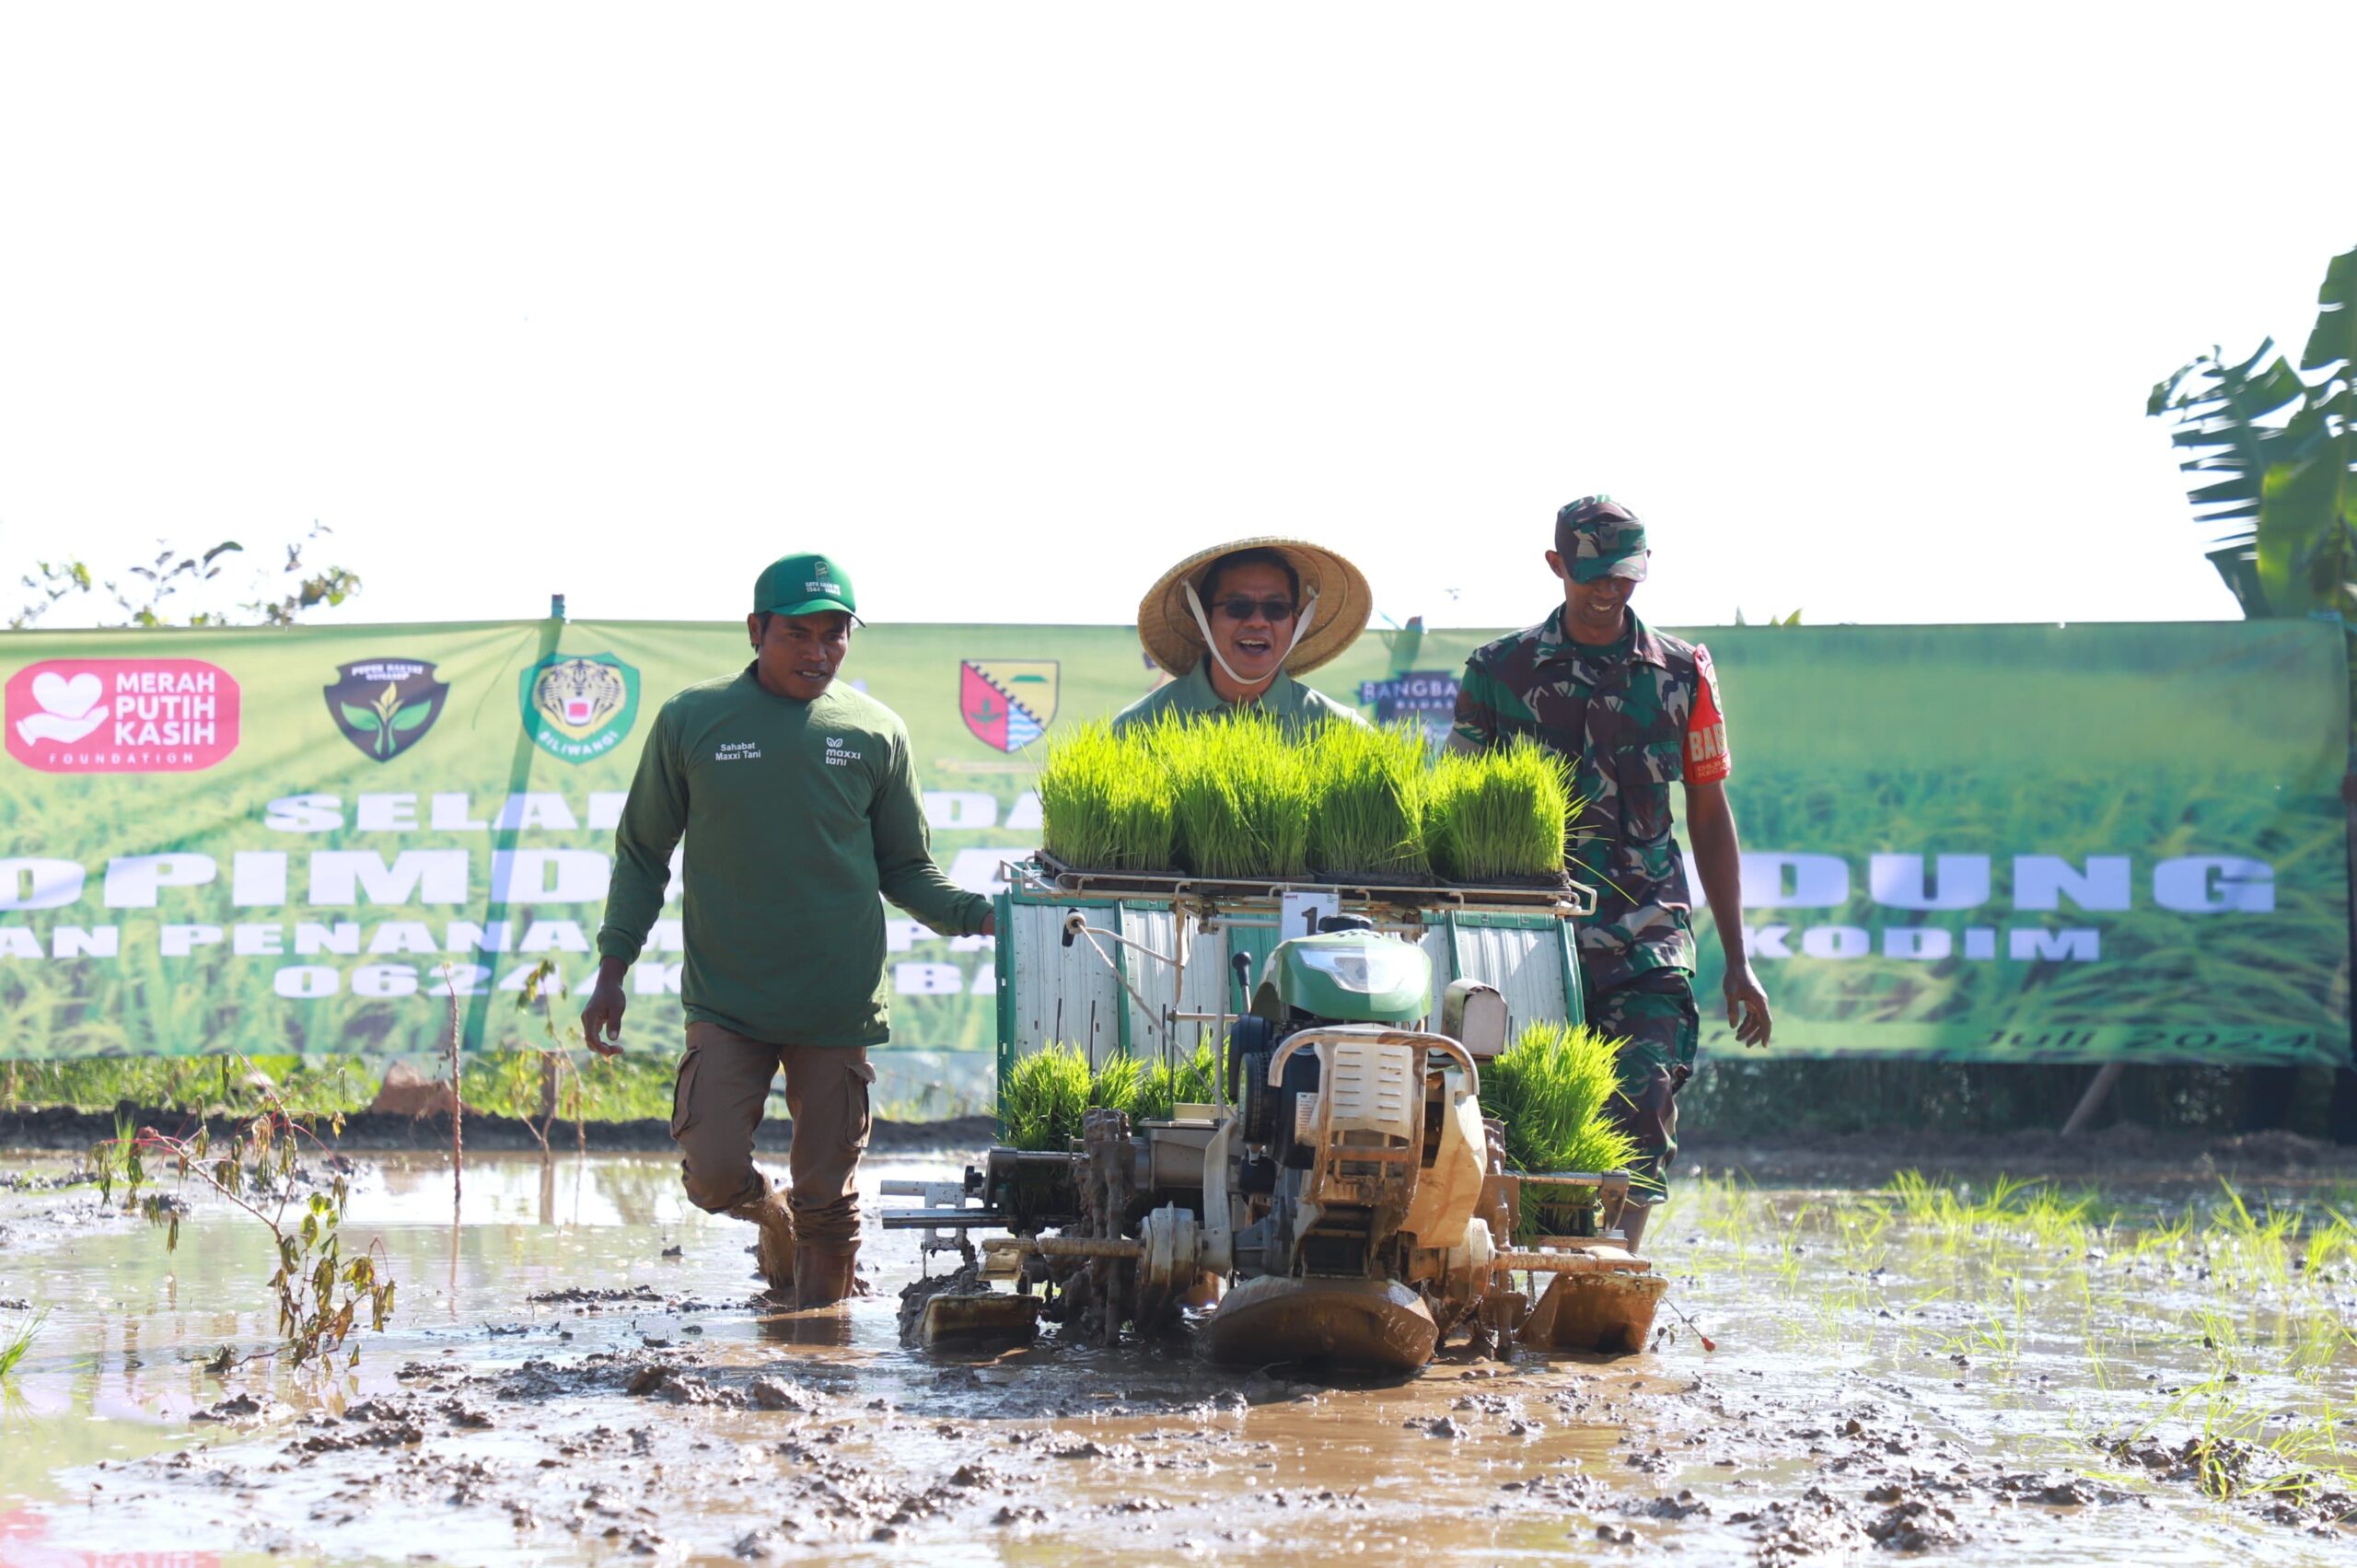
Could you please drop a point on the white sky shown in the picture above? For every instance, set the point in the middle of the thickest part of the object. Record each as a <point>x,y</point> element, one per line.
<point>1010,306</point>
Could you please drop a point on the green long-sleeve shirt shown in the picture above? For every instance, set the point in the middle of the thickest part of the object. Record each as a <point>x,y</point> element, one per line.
<point>796,815</point>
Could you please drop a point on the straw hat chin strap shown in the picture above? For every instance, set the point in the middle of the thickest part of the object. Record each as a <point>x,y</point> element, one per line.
<point>1302,623</point>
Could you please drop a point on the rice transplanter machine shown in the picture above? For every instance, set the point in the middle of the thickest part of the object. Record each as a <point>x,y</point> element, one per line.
<point>1339,1199</point>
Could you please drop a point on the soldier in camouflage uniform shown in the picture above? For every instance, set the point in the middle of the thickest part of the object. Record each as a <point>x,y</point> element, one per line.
<point>1633,712</point>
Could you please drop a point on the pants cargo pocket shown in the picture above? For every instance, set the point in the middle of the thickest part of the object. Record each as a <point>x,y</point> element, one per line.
<point>857,1123</point>
<point>683,1095</point>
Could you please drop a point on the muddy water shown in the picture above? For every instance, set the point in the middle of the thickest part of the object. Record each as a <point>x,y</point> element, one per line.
<point>1877,1381</point>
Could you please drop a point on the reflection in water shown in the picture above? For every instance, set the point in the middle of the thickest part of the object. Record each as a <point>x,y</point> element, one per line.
<point>826,1328</point>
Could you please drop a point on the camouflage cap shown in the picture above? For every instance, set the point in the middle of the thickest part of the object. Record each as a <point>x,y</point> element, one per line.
<point>1598,537</point>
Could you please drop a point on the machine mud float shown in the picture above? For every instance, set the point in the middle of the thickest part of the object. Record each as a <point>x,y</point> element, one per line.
<point>1344,1204</point>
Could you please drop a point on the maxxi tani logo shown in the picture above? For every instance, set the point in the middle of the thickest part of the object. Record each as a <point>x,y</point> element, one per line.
<point>122,716</point>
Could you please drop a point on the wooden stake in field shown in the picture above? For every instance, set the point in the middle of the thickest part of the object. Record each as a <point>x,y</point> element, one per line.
<point>458,1105</point>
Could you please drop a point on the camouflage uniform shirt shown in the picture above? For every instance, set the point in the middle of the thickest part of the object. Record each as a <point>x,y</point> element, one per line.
<point>1631,719</point>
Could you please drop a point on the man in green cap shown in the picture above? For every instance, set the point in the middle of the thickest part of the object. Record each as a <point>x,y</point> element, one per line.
<point>1632,710</point>
<point>799,807</point>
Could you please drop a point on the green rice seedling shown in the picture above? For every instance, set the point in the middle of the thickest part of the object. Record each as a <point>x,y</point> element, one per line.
<point>1077,783</point>
<point>1047,1093</point>
<point>1239,794</point>
<point>1552,1089</point>
<point>1789,1251</point>
<point>1367,788</point>
<point>18,1340</point>
<point>1167,1083</point>
<point>2323,1243</point>
<point>1917,1196</point>
<point>1498,814</point>
<point>1105,802</point>
<point>1041,1101</point>
<point>1115,1084</point>
<point>1861,1226</point>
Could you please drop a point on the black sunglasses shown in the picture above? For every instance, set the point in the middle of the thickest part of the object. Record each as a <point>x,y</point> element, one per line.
<point>1268,609</point>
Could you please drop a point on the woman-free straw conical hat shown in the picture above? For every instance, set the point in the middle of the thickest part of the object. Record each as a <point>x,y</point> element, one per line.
<point>1172,640</point>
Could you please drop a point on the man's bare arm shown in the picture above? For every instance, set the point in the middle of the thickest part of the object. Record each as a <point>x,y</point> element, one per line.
<point>1710,822</point>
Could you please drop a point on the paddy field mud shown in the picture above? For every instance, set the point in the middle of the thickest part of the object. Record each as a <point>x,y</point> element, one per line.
<point>2150,1370</point>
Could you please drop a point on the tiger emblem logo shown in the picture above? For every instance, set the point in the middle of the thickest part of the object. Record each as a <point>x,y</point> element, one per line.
<point>577,692</point>
<point>578,706</point>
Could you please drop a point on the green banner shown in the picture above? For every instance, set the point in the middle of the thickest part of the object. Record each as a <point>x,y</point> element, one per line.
<point>1999,842</point>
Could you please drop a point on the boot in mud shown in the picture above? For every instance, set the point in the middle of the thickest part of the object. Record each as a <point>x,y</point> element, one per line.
<point>823,1277</point>
<point>776,1251</point>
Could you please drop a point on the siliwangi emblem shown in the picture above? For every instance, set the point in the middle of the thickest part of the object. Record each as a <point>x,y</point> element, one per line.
<point>578,706</point>
<point>1007,702</point>
<point>385,705</point>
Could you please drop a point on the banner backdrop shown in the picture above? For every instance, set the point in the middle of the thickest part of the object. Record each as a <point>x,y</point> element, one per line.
<point>1994,842</point>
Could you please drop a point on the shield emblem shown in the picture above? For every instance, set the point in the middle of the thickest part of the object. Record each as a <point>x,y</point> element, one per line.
<point>1007,703</point>
<point>383,706</point>
<point>579,706</point>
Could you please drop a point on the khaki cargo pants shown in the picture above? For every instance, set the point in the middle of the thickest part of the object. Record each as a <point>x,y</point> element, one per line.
<point>716,1103</point>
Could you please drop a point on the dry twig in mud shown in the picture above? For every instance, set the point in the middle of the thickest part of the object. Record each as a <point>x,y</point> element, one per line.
<point>555,1059</point>
<point>319,1289</point>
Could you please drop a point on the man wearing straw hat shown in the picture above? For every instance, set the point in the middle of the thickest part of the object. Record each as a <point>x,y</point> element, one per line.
<point>1235,625</point>
<point>1632,710</point>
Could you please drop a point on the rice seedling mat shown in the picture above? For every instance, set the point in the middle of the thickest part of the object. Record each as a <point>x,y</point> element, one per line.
<point>1570,900</point>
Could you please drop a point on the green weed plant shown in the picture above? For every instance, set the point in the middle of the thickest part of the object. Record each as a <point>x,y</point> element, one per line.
<point>323,1294</point>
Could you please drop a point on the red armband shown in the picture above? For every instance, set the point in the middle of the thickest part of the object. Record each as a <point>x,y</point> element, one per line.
<point>1707,757</point>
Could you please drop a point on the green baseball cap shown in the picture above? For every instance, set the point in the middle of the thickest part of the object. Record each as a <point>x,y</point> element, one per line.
<point>1598,537</point>
<point>803,584</point>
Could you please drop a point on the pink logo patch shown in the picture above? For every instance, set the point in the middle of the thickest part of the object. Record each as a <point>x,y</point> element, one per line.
<point>122,716</point>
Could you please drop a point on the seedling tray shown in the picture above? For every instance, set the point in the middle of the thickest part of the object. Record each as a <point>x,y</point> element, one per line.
<point>1043,873</point>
